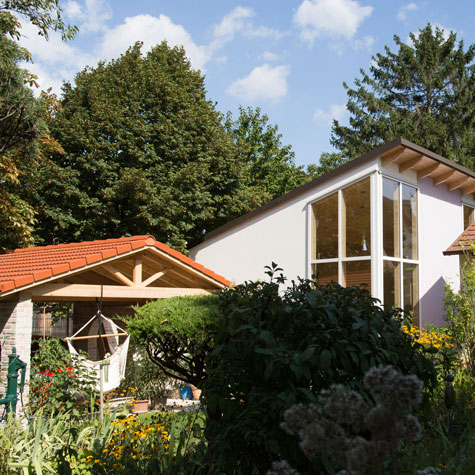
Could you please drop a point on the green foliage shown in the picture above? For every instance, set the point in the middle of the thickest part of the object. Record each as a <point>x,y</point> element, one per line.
<point>20,127</point>
<point>177,333</point>
<point>44,14</point>
<point>272,166</point>
<point>144,375</point>
<point>152,158</point>
<point>274,350</point>
<point>58,381</point>
<point>327,163</point>
<point>460,316</point>
<point>424,92</point>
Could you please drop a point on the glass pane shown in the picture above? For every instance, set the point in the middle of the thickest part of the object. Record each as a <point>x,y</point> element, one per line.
<point>409,222</point>
<point>392,284</point>
<point>357,273</point>
<point>325,273</point>
<point>356,233</point>
<point>390,218</point>
<point>467,216</point>
<point>411,290</point>
<point>325,213</point>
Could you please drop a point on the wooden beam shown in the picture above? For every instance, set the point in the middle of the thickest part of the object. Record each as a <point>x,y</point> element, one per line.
<point>125,280</point>
<point>155,277</point>
<point>392,157</point>
<point>89,337</point>
<point>137,273</point>
<point>62,292</point>
<point>457,184</point>
<point>467,189</point>
<point>410,163</point>
<point>443,178</point>
<point>427,171</point>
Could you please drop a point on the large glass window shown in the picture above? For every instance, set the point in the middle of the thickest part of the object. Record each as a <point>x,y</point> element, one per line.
<point>341,238</point>
<point>467,216</point>
<point>400,247</point>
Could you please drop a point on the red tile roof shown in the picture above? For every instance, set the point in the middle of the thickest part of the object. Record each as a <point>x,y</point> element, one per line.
<point>34,264</point>
<point>463,242</point>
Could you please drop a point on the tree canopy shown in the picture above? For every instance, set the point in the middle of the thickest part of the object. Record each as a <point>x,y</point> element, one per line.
<point>44,14</point>
<point>145,152</point>
<point>271,164</point>
<point>425,92</point>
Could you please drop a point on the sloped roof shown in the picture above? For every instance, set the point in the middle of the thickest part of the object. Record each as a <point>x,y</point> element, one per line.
<point>463,242</point>
<point>406,154</point>
<point>23,267</point>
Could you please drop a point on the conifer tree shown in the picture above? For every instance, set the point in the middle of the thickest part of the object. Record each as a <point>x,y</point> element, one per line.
<point>424,92</point>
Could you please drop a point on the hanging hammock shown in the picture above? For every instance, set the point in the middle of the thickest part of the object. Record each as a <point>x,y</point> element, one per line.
<point>113,365</point>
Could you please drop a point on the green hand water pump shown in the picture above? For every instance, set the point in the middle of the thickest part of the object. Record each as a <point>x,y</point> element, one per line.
<point>15,364</point>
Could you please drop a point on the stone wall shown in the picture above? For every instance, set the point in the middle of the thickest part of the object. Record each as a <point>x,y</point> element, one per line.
<point>16,321</point>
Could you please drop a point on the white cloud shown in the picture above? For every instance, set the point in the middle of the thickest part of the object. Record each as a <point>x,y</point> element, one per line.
<point>232,23</point>
<point>364,43</point>
<point>333,18</point>
<point>92,17</point>
<point>54,60</point>
<point>335,112</point>
<point>269,56</point>
<point>151,31</point>
<point>263,32</point>
<point>403,11</point>
<point>263,83</point>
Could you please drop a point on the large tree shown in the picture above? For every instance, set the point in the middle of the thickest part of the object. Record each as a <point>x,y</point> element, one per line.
<point>271,164</point>
<point>145,152</point>
<point>425,92</point>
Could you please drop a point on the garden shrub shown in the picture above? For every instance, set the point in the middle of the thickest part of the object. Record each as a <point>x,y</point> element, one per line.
<point>58,381</point>
<point>177,334</point>
<point>274,350</point>
<point>460,316</point>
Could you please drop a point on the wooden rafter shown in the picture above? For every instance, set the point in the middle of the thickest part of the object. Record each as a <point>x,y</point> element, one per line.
<point>427,171</point>
<point>443,178</point>
<point>155,277</point>
<point>410,163</point>
<point>125,280</point>
<point>457,184</point>
<point>467,189</point>
<point>393,157</point>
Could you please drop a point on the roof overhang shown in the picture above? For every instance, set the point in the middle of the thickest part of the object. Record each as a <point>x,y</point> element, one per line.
<point>407,155</point>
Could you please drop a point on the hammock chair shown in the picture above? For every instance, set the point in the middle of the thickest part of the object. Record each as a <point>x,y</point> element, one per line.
<point>112,366</point>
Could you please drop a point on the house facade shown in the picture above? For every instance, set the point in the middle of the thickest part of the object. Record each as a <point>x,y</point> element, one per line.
<point>382,220</point>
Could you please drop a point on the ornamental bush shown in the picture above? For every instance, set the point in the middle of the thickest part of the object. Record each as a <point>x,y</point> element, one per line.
<point>177,334</point>
<point>275,349</point>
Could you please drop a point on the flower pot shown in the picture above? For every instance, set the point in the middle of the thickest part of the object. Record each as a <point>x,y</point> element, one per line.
<point>195,391</point>
<point>140,406</point>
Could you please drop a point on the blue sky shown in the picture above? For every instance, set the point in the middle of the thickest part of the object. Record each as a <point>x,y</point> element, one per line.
<point>290,58</point>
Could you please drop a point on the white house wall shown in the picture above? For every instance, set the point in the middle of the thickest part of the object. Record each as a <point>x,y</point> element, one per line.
<point>280,235</point>
<point>440,223</point>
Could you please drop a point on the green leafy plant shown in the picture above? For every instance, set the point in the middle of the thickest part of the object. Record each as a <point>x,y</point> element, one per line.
<point>59,382</point>
<point>177,334</point>
<point>275,349</point>
<point>460,316</point>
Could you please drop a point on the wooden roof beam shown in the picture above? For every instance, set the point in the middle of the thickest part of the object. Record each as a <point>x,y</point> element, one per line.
<point>410,163</point>
<point>443,178</point>
<point>138,270</point>
<point>457,184</point>
<point>125,280</point>
<point>155,277</point>
<point>392,157</point>
<point>62,292</point>
<point>467,189</point>
<point>427,171</point>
